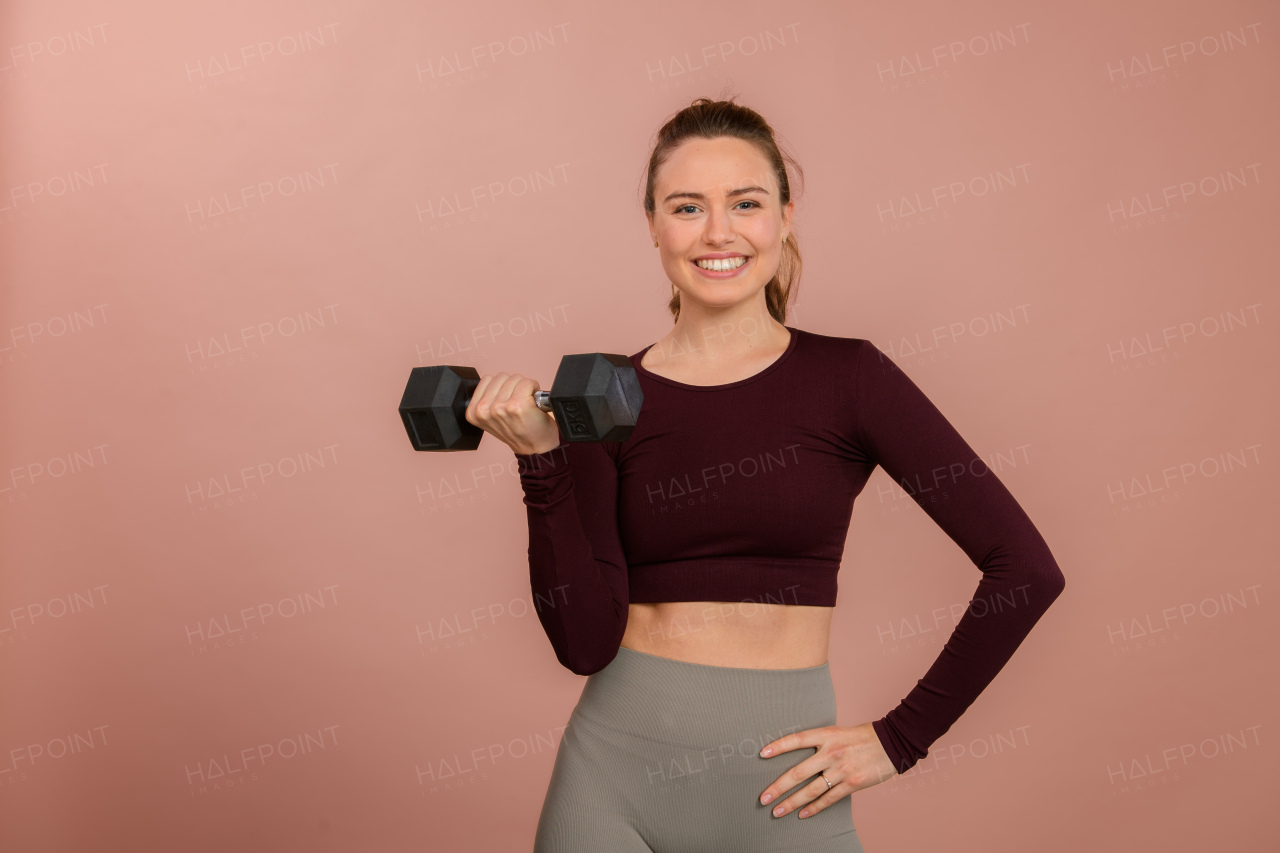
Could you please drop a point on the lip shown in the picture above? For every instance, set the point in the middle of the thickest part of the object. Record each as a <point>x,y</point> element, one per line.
<point>721,273</point>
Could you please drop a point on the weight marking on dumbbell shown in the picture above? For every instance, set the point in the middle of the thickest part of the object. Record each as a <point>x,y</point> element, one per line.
<point>575,418</point>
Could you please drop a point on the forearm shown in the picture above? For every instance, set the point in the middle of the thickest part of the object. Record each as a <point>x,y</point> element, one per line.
<point>579,587</point>
<point>1017,587</point>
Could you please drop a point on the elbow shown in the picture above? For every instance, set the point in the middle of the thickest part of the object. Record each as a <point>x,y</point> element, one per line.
<point>1042,571</point>
<point>583,669</point>
<point>588,664</point>
<point>1051,582</point>
<point>1053,576</point>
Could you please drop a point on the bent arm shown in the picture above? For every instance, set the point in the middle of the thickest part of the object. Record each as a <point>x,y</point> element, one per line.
<point>577,569</point>
<point>902,431</point>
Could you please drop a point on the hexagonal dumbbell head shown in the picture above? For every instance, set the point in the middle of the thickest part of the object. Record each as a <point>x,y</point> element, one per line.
<point>596,397</point>
<point>434,407</point>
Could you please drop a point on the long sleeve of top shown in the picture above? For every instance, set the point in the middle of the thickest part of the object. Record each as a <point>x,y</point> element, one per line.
<point>577,571</point>
<point>908,437</point>
<point>744,492</point>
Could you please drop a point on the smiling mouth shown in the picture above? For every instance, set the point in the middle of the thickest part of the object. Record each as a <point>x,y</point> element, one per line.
<point>720,264</point>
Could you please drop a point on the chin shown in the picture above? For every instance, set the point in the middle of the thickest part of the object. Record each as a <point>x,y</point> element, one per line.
<point>719,297</point>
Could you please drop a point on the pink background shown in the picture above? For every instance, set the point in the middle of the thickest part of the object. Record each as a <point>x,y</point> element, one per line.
<point>229,230</point>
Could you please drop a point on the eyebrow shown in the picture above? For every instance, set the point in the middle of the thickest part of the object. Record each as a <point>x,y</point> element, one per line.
<point>732,193</point>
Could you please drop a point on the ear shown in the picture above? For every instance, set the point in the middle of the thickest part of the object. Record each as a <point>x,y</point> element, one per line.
<point>788,210</point>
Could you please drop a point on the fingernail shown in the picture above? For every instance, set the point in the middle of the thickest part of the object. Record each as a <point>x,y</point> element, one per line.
<point>764,801</point>
<point>804,814</point>
<point>778,811</point>
<point>766,752</point>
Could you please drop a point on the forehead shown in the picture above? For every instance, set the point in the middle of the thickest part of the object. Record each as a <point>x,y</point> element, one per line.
<point>713,167</point>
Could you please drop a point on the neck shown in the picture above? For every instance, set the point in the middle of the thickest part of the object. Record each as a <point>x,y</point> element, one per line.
<point>707,334</point>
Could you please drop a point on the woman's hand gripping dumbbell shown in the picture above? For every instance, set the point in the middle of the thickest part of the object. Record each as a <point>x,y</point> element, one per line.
<point>505,406</point>
<point>595,397</point>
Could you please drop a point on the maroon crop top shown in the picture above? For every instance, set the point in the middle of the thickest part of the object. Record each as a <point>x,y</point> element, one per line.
<point>745,491</point>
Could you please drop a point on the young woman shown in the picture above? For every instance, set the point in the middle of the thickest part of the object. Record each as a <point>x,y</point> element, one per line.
<point>690,571</point>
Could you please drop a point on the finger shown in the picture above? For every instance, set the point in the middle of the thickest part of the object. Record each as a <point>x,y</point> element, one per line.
<point>509,401</point>
<point>508,382</point>
<point>795,740</point>
<point>477,394</point>
<point>815,738</point>
<point>518,388</point>
<point>804,798</point>
<point>811,766</point>
<point>484,400</point>
<point>827,796</point>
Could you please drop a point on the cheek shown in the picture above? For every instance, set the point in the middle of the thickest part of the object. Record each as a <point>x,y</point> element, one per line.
<point>677,242</point>
<point>678,233</point>
<point>766,235</point>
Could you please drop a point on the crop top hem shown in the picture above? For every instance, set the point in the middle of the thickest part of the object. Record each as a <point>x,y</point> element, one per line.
<point>765,580</point>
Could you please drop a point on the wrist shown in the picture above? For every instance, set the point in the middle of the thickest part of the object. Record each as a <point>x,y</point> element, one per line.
<point>542,464</point>
<point>536,449</point>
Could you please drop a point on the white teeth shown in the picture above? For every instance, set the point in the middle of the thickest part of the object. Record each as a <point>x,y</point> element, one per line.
<point>722,264</point>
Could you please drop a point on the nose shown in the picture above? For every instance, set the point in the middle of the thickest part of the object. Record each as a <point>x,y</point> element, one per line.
<point>719,227</point>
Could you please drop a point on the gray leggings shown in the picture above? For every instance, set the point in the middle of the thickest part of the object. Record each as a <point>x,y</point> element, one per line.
<point>664,755</point>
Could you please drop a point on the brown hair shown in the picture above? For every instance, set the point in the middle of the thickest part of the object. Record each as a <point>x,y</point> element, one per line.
<point>710,119</point>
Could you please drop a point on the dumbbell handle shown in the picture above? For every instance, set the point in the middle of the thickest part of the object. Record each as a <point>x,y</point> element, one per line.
<point>540,398</point>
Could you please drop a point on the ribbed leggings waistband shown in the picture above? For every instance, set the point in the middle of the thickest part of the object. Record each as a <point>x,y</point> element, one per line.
<point>691,704</point>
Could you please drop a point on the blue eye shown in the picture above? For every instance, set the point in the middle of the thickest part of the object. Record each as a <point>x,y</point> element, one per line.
<point>682,208</point>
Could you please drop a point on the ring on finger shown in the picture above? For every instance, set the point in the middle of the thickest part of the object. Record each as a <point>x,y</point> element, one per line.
<point>806,812</point>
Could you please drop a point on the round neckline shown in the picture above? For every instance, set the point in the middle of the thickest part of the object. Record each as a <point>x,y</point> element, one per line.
<point>776,363</point>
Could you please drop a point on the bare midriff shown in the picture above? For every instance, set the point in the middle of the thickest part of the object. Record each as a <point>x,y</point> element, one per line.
<point>740,634</point>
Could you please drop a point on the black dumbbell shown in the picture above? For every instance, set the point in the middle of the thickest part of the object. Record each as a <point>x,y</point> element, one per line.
<point>595,397</point>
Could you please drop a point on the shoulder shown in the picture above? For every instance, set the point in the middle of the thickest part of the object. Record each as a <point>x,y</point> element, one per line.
<point>636,356</point>
<point>833,350</point>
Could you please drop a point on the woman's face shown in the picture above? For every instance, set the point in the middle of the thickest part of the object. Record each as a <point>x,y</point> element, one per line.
<point>718,199</point>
